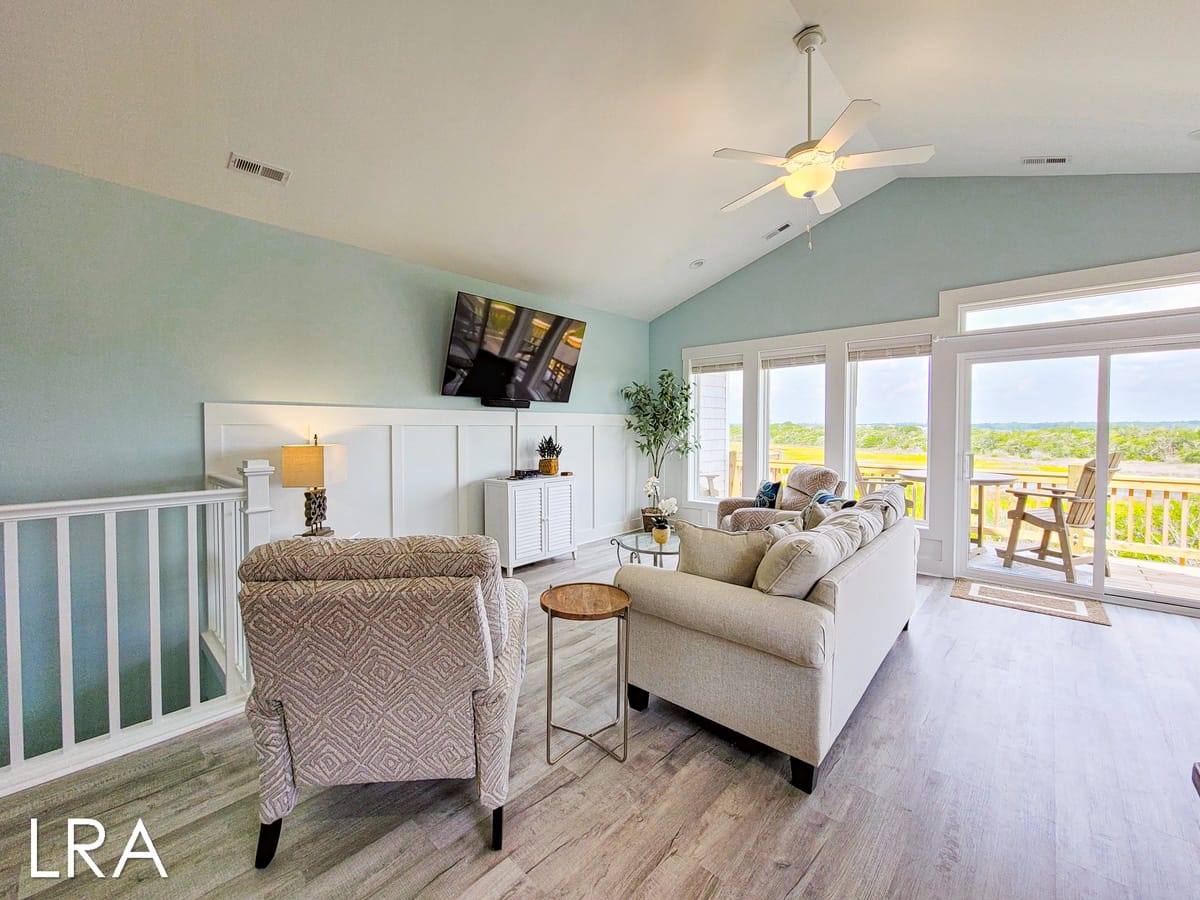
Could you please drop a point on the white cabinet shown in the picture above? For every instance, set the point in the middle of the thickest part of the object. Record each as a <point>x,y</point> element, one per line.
<point>531,519</point>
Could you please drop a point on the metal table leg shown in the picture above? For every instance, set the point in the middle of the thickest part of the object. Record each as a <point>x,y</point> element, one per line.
<point>622,714</point>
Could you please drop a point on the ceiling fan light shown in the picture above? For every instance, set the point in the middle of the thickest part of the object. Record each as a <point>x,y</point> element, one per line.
<point>807,182</point>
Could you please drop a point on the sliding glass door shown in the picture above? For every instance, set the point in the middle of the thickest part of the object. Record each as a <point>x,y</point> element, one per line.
<point>1082,470</point>
<point>1028,483</point>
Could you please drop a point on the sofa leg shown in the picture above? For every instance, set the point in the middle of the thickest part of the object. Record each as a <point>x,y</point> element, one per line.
<point>804,775</point>
<point>268,841</point>
<point>639,698</point>
<point>497,827</point>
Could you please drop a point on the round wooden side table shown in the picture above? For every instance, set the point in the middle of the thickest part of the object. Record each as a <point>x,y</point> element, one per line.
<point>588,602</point>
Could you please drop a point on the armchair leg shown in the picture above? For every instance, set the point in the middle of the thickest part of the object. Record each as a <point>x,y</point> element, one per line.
<point>498,828</point>
<point>639,698</point>
<point>905,628</point>
<point>804,775</point>
<point>268,842</point>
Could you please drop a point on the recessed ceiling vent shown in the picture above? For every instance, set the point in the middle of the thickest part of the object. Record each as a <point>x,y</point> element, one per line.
<point>776,232</point>
<point>1045,160</point>
<point>262,170</point>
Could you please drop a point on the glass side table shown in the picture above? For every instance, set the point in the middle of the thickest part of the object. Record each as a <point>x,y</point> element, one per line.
<point>640,543</point>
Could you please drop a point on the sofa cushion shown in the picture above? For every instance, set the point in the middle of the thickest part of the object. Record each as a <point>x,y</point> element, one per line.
<point>728,556</point>
<point>786,528</point>
<point>794,564</point>
<point>795,630</point>
<point>867,521</point>
<point>889,500</point>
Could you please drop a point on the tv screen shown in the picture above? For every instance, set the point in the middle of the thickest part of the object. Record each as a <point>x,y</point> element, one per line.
<point>499,351</point>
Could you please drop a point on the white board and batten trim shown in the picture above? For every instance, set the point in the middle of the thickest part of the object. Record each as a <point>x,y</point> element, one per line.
<point>421,471</point>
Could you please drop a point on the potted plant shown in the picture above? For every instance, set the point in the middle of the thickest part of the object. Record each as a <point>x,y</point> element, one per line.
<point>549,450</point>
<point>661,418</point>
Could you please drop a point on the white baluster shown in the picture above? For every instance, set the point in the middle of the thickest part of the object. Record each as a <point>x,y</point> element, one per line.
<point>154,589</point>
<point>12,631</point>
<point>193,606</point>
<point>229,564</point>
<point>66,671</point>
<point>112,631</point>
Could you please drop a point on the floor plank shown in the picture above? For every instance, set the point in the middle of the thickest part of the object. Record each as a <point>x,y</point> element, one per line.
<point>997,754</point>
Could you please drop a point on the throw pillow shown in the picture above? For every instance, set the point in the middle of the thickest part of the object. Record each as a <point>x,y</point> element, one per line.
<point>728,556</point>
<point>868,522</point>
<point>786,528</point>
<point>793,566</point>
<point>888,500</point>
<point>768,495</point>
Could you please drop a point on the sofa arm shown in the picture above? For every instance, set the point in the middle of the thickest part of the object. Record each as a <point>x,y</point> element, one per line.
<point>760,517</point>
<point>729,504</point>
<point>495,708</point>
<point>795,630</point>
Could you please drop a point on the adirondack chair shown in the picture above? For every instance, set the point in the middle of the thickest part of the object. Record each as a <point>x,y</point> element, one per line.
<point>1054,520</point>
<point>868,483</point>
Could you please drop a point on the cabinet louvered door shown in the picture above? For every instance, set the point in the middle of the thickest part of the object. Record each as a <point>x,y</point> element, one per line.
<point>528,533</point>
<point>560,517</point>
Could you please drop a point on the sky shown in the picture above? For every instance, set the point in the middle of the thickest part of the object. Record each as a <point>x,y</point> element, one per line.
<point>1160,386</point>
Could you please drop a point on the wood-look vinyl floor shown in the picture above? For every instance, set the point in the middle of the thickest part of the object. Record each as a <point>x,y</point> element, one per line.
<point>997,754</point>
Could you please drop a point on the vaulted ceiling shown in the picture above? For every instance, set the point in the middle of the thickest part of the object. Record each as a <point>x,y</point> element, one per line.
<point>566,148</point>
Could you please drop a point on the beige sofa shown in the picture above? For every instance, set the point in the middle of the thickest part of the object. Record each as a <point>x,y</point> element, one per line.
<point>785,671</point>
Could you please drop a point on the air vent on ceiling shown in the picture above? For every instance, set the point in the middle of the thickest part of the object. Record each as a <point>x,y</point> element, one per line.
<point>262,170</point>
<point>776,232</point>
<point>1045,160</point>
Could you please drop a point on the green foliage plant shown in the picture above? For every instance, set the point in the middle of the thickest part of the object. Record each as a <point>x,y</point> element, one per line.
<point>661,418</point>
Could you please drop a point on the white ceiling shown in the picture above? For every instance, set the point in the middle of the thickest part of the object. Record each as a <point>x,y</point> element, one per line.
<point>565,148</point>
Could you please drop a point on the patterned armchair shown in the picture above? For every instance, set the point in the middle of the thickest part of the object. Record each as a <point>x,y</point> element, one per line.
<point>380,660</point>
<point>740,513</point>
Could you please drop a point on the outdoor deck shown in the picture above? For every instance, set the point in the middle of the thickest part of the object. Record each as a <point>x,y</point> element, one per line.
<point>1164,581</point>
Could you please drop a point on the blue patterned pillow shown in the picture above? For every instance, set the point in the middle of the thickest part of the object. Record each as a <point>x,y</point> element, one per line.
<point>768,494</point>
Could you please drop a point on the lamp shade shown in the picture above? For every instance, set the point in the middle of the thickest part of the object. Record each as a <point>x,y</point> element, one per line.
<point>313,465</point>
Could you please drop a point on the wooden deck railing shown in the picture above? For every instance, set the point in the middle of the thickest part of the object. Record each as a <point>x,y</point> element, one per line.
<point>1149,516</point>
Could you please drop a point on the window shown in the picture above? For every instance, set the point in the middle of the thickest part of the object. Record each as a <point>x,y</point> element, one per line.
<point>1117,304</point>
<point>891,416</point>
<point>717,386</point>
<point>795,410</point>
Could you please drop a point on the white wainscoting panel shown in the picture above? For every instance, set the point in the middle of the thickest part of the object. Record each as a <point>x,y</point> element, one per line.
<point>418,471</point>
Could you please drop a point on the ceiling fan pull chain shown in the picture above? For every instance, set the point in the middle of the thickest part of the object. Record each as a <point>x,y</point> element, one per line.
<point>808,231</point>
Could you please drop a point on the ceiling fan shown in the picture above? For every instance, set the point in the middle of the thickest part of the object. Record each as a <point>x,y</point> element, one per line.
<point>811,167</point>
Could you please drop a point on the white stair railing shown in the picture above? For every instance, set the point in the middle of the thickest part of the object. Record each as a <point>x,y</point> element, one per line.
<point>235,518</point>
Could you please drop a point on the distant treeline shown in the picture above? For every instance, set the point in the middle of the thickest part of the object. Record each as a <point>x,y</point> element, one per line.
<point>1152,441</point>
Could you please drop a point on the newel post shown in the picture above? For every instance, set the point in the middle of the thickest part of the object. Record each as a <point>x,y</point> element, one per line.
<point>256,476</point>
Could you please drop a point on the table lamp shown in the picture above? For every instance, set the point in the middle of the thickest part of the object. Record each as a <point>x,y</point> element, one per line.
<point>314,466</point>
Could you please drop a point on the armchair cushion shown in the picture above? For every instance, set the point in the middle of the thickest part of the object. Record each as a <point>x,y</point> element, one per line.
<point>791,629</point>
<point>731,558</point>
<point>341,559</point>
<point>757,519</point>
<point>805,482</point>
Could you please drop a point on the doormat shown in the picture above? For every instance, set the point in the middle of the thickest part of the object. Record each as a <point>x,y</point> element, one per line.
<point>1076,608</point>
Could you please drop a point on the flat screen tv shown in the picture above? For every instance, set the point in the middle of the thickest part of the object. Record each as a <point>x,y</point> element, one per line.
<point>503,352</point>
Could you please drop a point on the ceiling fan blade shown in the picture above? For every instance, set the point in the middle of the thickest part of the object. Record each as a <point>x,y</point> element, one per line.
<point>750,156</point>
<point>826,202</point>
<point>754,195</point>
<point>906,156</point>
<point>853,118</point>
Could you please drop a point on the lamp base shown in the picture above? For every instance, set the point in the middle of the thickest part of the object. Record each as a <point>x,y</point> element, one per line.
<point>315,504</point>
<point>317,532</point>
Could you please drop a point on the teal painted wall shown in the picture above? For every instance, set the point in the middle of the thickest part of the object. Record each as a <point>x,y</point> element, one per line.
<point>122,313</point>
<point>886,257</point>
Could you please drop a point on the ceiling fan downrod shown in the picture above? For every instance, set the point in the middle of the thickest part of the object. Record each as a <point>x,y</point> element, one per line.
<point>807,42</point>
